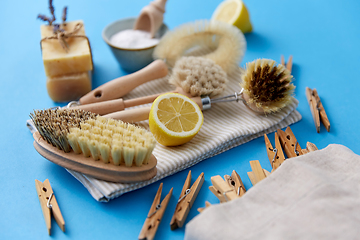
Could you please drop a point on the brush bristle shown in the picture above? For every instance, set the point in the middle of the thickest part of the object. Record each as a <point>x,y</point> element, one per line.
<point>112,141</point>
<point>267,85</point>
<point>226,43</point>
<point>199,76</point>
<point>54,124</point>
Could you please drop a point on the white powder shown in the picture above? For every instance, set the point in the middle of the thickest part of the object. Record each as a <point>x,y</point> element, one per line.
<point>133,39</point>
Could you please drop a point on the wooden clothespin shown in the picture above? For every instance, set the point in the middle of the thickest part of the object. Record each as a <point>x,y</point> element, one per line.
<point>49,204</point>
<point>207,204</point>
<point>224,190</point>
<point>275,155</point>
<point>234,183</point>
<point>155,215</point>
<point>186,200</point>
<point>317,109</point>
<point>288,64</point>
<point>257,174</point>
<point>289,143</point>
<point>310,147</point>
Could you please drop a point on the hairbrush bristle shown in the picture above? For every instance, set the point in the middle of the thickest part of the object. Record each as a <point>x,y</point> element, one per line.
<point>199,76</point>
<point>227,43</point>
<point>54,124</point>
<point>267,85</point>
<point>95,136</point>
<point>112,141</point>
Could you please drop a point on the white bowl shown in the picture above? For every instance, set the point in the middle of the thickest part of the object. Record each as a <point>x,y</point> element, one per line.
<point>130,59</point>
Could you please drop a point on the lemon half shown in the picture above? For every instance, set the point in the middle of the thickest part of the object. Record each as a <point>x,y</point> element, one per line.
<point>174,119</point>
<point>233,12</point>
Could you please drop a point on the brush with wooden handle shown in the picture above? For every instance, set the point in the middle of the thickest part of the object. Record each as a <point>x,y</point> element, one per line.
<point>121,86</point>
<point>192,76</point>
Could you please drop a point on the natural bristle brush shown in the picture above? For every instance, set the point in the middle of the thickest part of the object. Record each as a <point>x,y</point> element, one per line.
<point>266,88</point>
<point>104,148</point>
<point>192,76</point>
<point>227,43</point>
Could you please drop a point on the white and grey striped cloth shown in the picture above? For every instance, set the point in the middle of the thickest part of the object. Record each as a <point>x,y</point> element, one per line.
<point>226,125</point>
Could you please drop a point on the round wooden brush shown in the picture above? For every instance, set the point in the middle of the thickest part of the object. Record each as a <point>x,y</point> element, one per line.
<point>192,76</point>
<point>266,86</point>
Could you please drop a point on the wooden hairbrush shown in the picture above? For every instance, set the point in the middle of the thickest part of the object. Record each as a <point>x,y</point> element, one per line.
<point>102,148</point>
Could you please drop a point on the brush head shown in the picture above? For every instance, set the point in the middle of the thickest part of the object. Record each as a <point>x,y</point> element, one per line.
<point>267,86</point>
<point>112,141</point>
<point>94,136</point>
<point>54,124</point>
<point>199,76</point>
<point>221,42</point>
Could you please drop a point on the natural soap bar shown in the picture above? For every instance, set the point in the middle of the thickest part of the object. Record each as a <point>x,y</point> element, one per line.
<point>57,61</point>
<point>68,87</point>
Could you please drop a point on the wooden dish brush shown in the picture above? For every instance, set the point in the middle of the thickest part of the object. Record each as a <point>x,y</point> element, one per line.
<point>192,76</point>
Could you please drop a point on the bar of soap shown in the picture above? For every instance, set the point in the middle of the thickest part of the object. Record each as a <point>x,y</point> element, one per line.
<point>68,87</point>
<point>59,62</point>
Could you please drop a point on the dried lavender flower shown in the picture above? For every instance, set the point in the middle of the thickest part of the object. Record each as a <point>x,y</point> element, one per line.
<point>64,15</point>
<point>52,10</point>
<point>56,28</point>
<point>44,18</point>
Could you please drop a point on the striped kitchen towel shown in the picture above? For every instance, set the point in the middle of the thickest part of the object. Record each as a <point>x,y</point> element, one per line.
<point>226,125</point>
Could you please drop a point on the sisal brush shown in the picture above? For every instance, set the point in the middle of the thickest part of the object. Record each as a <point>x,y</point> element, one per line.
<point>266,88</point>
<point>70,137</point>
<point>227,43</point>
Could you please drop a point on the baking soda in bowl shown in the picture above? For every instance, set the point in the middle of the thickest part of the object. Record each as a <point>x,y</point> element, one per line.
<point>133,39</point>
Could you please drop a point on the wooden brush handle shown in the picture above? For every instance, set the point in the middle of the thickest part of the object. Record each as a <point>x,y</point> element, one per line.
<point>139,114</point>
<point>105,107</point>
<point>123,85</point>
<point>116,105</point>
<point>132,115</point>
<point>149,99</point>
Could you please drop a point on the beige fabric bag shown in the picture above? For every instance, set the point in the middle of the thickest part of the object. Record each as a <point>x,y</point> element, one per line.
<point>314,196</point>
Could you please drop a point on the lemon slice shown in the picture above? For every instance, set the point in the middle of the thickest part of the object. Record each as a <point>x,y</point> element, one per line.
<point>233,12</point>
<point>174,119</point>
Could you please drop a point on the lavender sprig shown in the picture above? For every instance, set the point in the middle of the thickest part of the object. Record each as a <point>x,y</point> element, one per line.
<point>52,10</point>
<point>45,18</point>
<point>64,15</point>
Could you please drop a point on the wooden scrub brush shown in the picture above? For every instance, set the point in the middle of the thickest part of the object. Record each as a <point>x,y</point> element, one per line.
<point>193,77</point>
<point>227,43</point>
<point>70,137</point>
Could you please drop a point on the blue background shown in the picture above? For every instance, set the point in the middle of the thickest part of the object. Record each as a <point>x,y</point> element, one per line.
<point>323,36</point>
